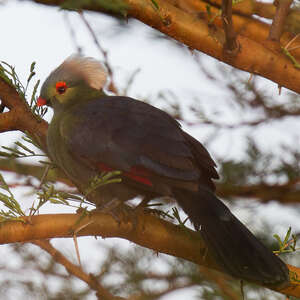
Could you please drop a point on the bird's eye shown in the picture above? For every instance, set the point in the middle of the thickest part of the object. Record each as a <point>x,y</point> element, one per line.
<point>61,87</point>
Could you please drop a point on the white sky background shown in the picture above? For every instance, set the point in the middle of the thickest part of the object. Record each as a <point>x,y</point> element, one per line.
<point>31,32</point>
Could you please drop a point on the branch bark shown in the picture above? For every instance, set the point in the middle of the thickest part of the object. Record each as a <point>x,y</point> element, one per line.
<point>20,116</point>
<point>278,23</point>
<point>147,230</point>
<point>231,45</point>
<point>243,23</point>
<point>196,34</point>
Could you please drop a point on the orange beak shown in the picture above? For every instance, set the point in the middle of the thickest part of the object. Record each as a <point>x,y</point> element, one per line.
<point>41,102</point>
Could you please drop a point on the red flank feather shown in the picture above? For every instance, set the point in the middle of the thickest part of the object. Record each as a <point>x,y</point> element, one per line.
<point>136,173</point>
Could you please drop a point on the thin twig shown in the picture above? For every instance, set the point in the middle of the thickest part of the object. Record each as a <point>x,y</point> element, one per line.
<point>282,10</point>
<point>197,34</point>
<point>130,81</point>
<point>112,86</point>
<point>72,33</point>
<point>75,241</point>
<point>44,176</point>
<point>291,41</point>
<point>76,271</point>
<point>231,44</point>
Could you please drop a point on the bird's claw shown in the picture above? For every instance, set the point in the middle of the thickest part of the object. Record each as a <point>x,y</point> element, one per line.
<point>117,209</point>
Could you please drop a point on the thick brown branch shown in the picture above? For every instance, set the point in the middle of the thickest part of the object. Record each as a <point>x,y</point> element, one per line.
<point>102,293</point>
<point>245,7</point>
<point>231,45</point>
<point>147,230</point>
<point>277,26</point>
<point>249,27</point>
<point>8,121</point>
<point>20,116</point>
<point>196,34</point>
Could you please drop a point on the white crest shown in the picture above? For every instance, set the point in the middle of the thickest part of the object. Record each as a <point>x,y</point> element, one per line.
<point>87,68</point>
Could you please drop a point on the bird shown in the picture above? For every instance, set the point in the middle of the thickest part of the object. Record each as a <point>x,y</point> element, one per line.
<point>93,132</point>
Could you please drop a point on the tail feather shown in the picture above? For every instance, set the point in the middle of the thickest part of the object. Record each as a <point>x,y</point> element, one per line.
<point>233,246</point>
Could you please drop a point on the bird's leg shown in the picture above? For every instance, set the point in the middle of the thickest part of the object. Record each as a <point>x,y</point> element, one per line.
<point>110,206</point>
<point>120,211</point>
<point>143,207</point>
<point>117,209</point>
<point>143,204</point>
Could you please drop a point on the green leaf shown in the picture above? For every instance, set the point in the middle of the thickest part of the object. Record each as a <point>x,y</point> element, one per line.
<point>287,236</point>
<point>155,4</point>
<point>102,179</point>
<point>15,151</point>
<point>3,184</point>
<point>24,148</point>
<point>6,154</point>
<point>33,96</point>
<point>57,201</point>
<point>32,66</point>
<point>276,236</point>
<point>9,201</point>
<point>28,139</point>
<point>291,57</point>
<point>30,76</point>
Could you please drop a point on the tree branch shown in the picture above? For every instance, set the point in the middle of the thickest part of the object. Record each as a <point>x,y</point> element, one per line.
<point>20,168</point>
<point>231,45</point>
<point>93,283</point>
<point>196,34</point>
<point>284,193</point>
<point>245,7</point>
<point>20,116</point>
<point>276,29</point>
<point>8,121</point>
<point>287,193</point>
<point>147,230</point>
<point>243,23</point>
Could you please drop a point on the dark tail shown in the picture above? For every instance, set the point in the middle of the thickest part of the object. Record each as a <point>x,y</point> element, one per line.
<point>236,250</point>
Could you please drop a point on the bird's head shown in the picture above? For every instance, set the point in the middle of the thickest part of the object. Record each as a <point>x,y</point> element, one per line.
<point>76,79</point>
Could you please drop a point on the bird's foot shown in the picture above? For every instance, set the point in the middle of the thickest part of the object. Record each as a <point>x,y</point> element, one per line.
<point>117,209</point>
<point>144,207</point>
<point>110,206</point>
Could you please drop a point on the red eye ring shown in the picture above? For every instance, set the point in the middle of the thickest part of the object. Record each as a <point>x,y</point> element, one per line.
<point>61,87</point>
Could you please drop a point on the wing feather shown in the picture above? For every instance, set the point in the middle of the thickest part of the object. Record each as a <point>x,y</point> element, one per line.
<point>126,133</point>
